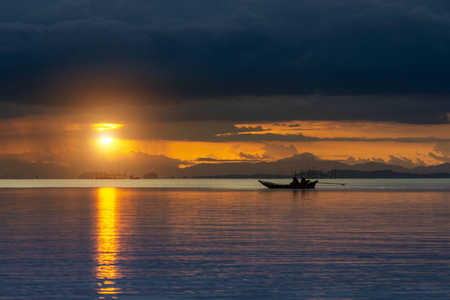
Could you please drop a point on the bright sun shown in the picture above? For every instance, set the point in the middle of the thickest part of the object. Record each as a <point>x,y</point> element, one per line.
<point>106,140</point>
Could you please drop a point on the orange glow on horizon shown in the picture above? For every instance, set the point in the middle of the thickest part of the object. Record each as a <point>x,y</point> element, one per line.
<point>255,151</point>
<point>67,140</point>
<point>348,129</point>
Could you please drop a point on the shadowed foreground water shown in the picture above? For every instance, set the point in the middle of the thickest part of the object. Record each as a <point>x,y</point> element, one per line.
<point>112,243</point>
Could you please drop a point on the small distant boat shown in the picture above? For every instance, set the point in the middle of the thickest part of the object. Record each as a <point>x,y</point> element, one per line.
<point>307,185</point>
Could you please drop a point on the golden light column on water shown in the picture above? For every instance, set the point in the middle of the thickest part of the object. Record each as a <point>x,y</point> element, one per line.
<point>107,244</point>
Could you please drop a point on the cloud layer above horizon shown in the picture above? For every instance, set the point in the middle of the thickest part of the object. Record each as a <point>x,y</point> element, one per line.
<point>240,61</point>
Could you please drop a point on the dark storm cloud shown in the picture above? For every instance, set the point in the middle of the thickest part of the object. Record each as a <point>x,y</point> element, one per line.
<point>221,50</point>
<point>406,109</point>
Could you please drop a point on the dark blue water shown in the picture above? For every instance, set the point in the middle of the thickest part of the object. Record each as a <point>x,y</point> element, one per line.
<point>137,243</point>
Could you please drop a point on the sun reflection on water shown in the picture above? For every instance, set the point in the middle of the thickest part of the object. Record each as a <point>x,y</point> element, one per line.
<point>107,244</point>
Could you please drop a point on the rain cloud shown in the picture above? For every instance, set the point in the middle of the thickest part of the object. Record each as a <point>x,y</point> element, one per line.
<point>261,60</point>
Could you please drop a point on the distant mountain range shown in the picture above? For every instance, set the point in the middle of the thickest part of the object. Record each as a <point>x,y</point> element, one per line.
<point>310,166</point>
<point>306,163</point>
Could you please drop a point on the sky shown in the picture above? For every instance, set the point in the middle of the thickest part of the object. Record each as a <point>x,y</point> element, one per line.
<point>161,85</point>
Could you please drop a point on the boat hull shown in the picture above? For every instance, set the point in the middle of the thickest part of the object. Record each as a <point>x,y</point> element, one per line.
<point>308,186</point>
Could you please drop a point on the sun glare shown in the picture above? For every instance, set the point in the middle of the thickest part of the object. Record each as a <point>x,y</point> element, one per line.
<point>106,140</point>
<point>105,126</point>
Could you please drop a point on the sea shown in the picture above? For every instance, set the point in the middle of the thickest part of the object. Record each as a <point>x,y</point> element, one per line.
<point>224,239</point>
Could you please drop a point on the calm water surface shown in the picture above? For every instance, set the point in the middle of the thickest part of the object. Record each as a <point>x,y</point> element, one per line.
<point>232,242</point>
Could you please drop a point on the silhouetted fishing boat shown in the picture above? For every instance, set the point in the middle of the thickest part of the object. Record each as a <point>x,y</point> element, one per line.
<point>295,185</point>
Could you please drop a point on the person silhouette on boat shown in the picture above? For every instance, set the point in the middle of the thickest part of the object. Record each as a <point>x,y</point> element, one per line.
<point>304,183</point>
<point>295,183</point>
